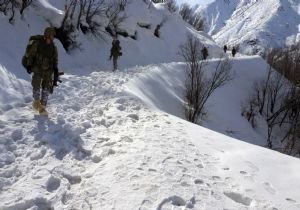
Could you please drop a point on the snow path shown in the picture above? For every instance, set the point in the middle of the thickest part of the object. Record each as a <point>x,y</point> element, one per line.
<point>101,148</point>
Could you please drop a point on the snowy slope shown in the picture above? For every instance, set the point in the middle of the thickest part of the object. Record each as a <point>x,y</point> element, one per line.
<point>253,24</point>
<point>94,53</point>
<point>163,89</point>
<point>102,148</point>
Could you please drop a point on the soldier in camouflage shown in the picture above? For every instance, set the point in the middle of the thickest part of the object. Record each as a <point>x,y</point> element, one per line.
<point>115,52</point>
<point>42,62</point>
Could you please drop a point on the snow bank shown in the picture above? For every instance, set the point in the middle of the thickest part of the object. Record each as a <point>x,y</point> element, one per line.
<point>162,88</point>
<point>12,90</point>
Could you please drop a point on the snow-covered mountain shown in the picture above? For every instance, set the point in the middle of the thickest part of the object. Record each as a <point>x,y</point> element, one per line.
<point>253,24</point>
<point>94,53</point>
<point>116,140</point>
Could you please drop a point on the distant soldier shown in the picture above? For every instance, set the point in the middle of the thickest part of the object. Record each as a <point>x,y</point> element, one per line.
<point>41,60</point>
<point>225,48</point>
<point>115,52</point>
<point>233,51</point>
<point>204,52</point>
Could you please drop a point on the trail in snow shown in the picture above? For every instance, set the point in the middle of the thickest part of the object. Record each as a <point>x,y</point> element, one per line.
<point>103,149</point>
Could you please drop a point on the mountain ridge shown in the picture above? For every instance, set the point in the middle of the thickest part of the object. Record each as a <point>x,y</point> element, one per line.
<point>253,25</point>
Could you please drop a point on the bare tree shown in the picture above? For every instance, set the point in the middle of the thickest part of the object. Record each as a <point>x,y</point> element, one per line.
<point>116,16</point>
<point>276,99</point>
<point>25,4</point>
<point>199,87</point>
<point>186,12</point>
<point>158,27</point>
<point>286,61</point>
<point>81,15</point>
<point>9,7</point>
<point>195,19</point>
<point>172,6</point>
<point>249,110</point>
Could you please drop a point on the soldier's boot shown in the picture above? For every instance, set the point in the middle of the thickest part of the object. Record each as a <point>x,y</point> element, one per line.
<point>44,100</point>
<point>36,99</point>
<point>36,104</point>
<point>43,111</point>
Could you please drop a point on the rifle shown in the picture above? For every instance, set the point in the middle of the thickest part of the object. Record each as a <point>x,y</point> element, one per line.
<point>55,80</point>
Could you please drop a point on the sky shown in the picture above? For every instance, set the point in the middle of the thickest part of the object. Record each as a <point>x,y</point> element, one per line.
<point>192,2</point>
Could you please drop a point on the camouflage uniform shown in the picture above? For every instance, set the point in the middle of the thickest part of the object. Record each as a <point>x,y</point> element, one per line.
<point>204,53</point>
<point>43,58</point>
<point>115,52</point>
<point>233,51</point>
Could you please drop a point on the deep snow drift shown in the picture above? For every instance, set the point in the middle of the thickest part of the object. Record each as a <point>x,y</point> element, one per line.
<point>254,24</point>
<point>163,89</point>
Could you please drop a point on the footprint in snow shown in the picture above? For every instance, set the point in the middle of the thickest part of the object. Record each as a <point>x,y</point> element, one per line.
<point>53,184</point>
<point>248,177</point>
<point>72,179</point>
<point>177,201</point>
<point>133,117</point>
<point>216,178</point>
<point>19,105</point>
<point>253,167</point>
<point>290,200</point>
<point>120,101</point>
<point>6,107</point>
<point>126,139</point>
<point>36,203</point>
<point>269,188</point>
<point>67,198</point>
<point>198,181</point>
<point>146,204</point>
<point>98,157</point>
<point>121,108</point>
<point>239,198</point>
<point>17,135</point>
<point>243,172</point>
<point>38,154</point>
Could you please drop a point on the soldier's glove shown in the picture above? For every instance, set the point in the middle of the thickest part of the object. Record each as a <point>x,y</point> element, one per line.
<point>29,71</point>
<point>55,78</point>
<point>55,83</point>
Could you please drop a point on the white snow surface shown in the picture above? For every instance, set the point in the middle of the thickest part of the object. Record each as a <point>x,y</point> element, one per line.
<point>253,24</point>
<point>116,140</point>
<point>102,148</point>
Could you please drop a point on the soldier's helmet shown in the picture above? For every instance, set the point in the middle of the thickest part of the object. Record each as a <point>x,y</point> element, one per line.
<point>49,31</point>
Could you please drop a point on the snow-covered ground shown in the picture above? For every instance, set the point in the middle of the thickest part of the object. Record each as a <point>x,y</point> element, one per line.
<point>102,148</point>
<point>116,140</point>
<point>254,24</point>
